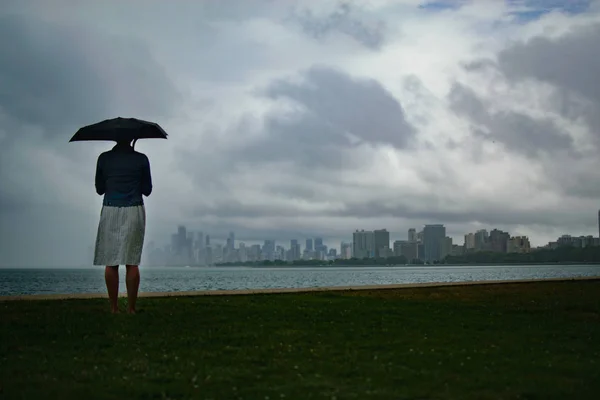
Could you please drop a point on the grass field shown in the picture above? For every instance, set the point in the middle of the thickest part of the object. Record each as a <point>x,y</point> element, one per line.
<point>502,341</point>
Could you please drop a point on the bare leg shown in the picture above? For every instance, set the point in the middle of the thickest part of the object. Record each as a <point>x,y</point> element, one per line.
<point>111,276</point>
<point>132,279</point>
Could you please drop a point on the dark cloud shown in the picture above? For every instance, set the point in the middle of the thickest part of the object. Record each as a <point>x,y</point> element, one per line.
<point>313,145</point>
<point>553,61</point>
<point>334,114</point>
<point>343,104</point>
<point>305,140</point>
<point>413,209</point>
<point>569,63</point>
<point>342,20</point>
<point>44,81</point>
<point>517,131</point>
<point>489,214</point>
<point>60,77</point>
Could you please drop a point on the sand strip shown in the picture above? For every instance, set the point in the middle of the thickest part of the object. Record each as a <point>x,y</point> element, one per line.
<point>285,290</point>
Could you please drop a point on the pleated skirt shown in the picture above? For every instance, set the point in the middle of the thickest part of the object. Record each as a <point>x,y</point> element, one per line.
<point>120,237</point>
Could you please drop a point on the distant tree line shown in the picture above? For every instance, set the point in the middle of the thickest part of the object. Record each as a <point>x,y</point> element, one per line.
<point>352,261</point>
<point>563,254</point>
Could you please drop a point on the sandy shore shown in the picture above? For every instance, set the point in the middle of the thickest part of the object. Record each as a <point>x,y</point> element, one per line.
<point>287,290</point>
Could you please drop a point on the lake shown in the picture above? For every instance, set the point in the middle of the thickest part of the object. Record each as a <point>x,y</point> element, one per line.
<point>23,281</point>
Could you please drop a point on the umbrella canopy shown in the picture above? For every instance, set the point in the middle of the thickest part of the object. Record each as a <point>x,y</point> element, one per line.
<point>117,129</point>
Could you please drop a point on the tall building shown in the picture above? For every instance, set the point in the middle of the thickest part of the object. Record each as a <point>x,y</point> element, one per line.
<point>420,236</point>
<point>181,247</point>
<point>363,244</point>
<point>309,245</point>
<point>498,241</point>
<point>346,251</point>
<point>174,245</point>
<point>255,253</point>
<point>279,253</point>
<point>231,241</point>
<point>209,255</point>
<point>268,250</point>
<point>243,252</point>
<point>481,240</point>
<point>318,244</point>
<point>320,249</point>
<point>420,251</point>
<point>382,242</point>
<point>433,237</point>
<point>217,254</point>
<point>412,235</point>
<point>294,250</point>
<point>181,232</point>
<point>469,241</point>
<point>599,223</point>
<point>199,239</point>
<point>208,240</point>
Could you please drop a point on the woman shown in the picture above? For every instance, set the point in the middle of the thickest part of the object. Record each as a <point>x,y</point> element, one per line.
<point>122,176</point>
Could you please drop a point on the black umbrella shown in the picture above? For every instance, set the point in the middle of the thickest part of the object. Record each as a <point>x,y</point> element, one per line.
<point>117,129</point>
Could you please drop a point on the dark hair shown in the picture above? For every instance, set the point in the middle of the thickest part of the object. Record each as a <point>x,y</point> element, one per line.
<point>124,142</point>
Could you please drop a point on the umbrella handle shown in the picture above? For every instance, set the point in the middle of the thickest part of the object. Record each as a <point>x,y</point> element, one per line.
<point>133,145</point>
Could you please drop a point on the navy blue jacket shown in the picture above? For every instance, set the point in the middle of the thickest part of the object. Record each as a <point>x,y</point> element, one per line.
<point>123,176</point>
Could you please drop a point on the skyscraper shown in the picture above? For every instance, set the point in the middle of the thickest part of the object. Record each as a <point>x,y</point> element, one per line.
<point>230,241</point>
<point>469,241</point>
<point>346,251</point>
<point>309,244</point>
<point>433,238</point>
<point>294,250</point>
<point>318,244</point>
<point>412,235</point>
<point>181,238</point>
<point>499,241</point>
<point>363,244</point>
<point>481,239</point>
<point>382,242</point>
<point>268,250</point>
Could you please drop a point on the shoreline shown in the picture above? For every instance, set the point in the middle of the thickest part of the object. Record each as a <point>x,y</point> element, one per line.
<point>73,296</point>
<point>424,266</point>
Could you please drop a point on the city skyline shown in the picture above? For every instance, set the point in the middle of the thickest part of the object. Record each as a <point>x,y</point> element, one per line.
<point>429,244</point>
<point>308,118</point>
<point>399,234</point>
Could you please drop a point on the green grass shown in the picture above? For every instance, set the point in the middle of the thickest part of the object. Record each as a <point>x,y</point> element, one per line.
<point>504,341</point>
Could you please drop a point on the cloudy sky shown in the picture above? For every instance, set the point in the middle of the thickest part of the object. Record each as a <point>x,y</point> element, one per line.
<point>290,119</point>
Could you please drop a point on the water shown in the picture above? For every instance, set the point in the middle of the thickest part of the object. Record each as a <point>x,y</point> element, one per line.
<point>170,279</point>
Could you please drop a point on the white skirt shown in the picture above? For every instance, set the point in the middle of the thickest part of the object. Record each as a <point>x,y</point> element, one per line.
<point>120,236</point>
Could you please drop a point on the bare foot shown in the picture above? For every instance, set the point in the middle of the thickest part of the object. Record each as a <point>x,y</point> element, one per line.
<point>130,311</point>
<point>115,311</point>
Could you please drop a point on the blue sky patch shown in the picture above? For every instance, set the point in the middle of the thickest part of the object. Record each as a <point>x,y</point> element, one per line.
<point>441,5</point>
<point>537,8</point>
<point>534,8</point>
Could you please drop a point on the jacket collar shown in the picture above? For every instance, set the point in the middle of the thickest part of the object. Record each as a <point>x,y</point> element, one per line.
<point>122,147</point>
